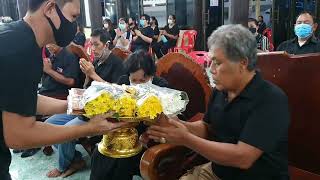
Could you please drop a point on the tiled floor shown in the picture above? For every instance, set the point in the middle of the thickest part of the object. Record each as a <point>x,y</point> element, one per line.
<point>36,167</point>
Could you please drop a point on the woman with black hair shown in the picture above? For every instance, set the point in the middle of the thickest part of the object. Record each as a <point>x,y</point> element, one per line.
<point>155,26</point>
<point>167,38</point>
<point>140,69</point>
<point>108,27</point>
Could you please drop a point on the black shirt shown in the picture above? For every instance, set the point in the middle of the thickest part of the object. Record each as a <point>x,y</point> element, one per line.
<point>20,72</point>
<point>259,116</point>
<point>173,31</point>
<point>261,27</point>
<point>80,39</point>
<point>156,31</point>
<point>65,63</point>
<point>111,69</point>
<point>292,46</point>
<point>140,43</point>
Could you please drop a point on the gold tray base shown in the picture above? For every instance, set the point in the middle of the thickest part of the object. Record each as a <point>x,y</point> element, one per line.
<point>119,153</point>
<point>121,143</point>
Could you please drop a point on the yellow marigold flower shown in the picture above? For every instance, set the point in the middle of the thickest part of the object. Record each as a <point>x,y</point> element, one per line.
<point>100,105</point>
<point>125,106</point>
<point>151,107</point>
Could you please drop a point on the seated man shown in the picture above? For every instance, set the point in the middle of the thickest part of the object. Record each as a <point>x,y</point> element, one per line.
<point>167,38</point>
<point>140,69</point>
<point>305,42</point>
<point>61,71</point>
<point>245,130</point>
<point>106,68</point>
<point>143,37</point>
<point>263,43</point>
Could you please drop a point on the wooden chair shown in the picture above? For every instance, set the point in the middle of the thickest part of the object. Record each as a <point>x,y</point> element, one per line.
<point>182,73</point>
<point>122,53</point>
<point>299,77</point>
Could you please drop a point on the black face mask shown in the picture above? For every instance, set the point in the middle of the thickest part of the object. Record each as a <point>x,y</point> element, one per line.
<point>253,30</point>
<point>65,34</point>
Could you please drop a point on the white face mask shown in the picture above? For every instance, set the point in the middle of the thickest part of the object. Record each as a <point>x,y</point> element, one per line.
<point>146,83</point>
<point>170,21</point>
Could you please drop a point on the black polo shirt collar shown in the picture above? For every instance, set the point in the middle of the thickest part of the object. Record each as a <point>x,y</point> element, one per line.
<point>250,90</point>
<point>312,39</point>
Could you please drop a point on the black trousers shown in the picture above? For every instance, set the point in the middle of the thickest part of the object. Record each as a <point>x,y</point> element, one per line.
<point>161,48</point>
<point>107,168</point>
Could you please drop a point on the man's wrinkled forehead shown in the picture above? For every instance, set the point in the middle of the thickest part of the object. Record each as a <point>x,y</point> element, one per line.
<point>305,18</point>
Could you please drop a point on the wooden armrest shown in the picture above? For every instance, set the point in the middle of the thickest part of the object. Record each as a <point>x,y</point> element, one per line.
<point>197,117</point>
<point>161,162</point>
<point>297,174</point>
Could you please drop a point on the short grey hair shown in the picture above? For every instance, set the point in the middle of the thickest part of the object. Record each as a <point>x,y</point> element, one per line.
<point>237,43</point>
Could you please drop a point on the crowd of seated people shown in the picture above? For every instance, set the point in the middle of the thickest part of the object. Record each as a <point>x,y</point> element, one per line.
<point>144,34</point>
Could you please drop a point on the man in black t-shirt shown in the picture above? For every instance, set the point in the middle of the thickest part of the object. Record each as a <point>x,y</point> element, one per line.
<point>20,72</point>
<point>61,72</point>
<point>143,37</point>
<point>245,129</point>
<point>305,40</point>
<point>106,68</point>
<point>167,38</point>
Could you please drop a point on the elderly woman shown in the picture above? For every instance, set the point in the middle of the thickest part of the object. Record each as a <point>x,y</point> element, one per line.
<point>140,70</point>
<point>245,130</point>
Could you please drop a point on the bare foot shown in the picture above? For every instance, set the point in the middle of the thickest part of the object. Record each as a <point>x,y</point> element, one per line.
<point>74,167</point>
<point>54,173</point>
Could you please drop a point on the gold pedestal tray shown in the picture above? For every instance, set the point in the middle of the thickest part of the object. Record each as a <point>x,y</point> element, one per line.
<point>122,143</point>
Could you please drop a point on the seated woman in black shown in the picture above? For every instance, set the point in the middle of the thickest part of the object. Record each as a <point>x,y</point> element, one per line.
<point>140,69</point>
<point>143,36</point>
<point>155,26</point>
<point>167,38</point>
<point>108,27</point>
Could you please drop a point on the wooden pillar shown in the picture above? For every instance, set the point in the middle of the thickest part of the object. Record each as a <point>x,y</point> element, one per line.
<point>258,12</point>
<point>95,11</point>
<point>122,9</point>
<point>239,12</point>
<point>22,7</point>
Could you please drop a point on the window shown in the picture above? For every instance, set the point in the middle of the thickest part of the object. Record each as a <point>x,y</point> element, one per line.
<point>156,8</point>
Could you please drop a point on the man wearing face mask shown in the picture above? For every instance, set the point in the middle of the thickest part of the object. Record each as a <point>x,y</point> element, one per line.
<point>305,41</point>
<point>262,41</point>
<point>47,21</point>
<point>123,35</point>
<point>143,37</point>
